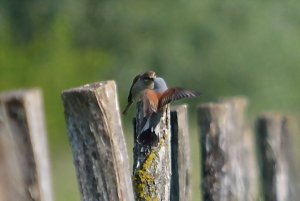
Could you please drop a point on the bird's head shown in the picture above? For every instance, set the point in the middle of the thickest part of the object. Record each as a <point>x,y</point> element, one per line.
<point>148,78</point>
<point>160,85</point>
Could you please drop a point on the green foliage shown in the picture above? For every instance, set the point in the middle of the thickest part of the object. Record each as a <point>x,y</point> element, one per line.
<point>221,48</point>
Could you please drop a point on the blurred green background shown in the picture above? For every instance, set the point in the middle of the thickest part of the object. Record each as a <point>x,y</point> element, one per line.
<point>221,48</point>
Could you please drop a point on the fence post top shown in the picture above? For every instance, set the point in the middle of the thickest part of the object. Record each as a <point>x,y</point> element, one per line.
<point>89,87</point>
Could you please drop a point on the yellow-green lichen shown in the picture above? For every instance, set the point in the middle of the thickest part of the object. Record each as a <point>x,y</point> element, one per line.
<point>143,179</point>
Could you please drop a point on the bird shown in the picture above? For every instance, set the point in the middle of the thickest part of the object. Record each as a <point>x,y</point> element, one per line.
<point>160,85</point>
<point>154,100</point>
<point>140,83</point>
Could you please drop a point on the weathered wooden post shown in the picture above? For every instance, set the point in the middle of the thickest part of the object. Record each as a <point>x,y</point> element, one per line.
<point>274,143</point>
<point>243,179</point>
<point>97,140</point>
<point>25,169</point>
<point>152,159</point>
<point>212,119</point>
<point>224,153</point>
<point>180,155</point>
<point>251,167</point>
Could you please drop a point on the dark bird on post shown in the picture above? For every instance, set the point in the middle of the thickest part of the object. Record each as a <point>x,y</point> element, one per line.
<point>155,99</point>
<point>139,84</point>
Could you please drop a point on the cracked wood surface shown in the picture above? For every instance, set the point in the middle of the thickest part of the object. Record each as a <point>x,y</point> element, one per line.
<point>226,152</point>
<point>25,170</point>
<point>98,144</point>
<point>181,180</point>
<point>152,159</point>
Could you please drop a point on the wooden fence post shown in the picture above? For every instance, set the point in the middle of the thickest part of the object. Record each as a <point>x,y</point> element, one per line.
<point>180,154</point>
<point>251,167</point>
<point>212,123</point>
<point>98,144</point>
<point>25,169</point>
<point>274,143</point>
<point>243,181</point>
<point>224,153</point>
<point>152,159</point>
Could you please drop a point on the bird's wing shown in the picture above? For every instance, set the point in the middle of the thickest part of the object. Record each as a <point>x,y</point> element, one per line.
<point>173,94</point>
<point>150,102</point>
<point>133,82</point>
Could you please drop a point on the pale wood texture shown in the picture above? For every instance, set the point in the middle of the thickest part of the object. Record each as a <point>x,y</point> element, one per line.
<point>152,159</point>
<point>242,167</point>
<point>251,167</point>
<point>277,164</point>
<point>180,154</point>
<point>225,152</point>
<point>96,136</point>
<point>212,122</point>
<point>25,169</point>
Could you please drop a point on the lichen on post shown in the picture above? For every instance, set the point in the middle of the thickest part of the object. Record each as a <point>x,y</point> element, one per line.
<point>152,161</point>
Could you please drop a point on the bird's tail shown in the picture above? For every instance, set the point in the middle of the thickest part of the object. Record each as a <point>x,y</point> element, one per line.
<point>127,108</point>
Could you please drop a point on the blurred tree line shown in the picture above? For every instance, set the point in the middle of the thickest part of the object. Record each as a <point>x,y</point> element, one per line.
<point>221,48</point>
